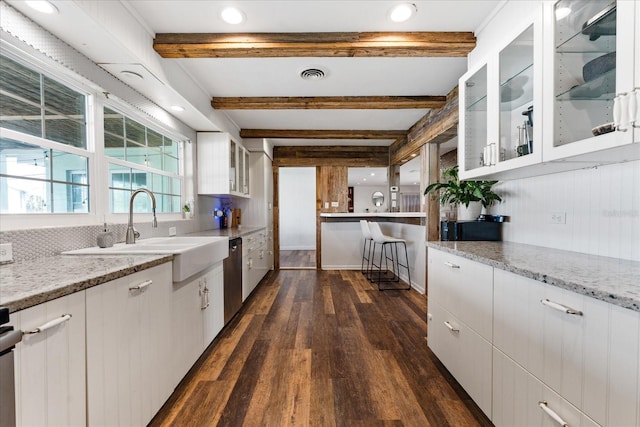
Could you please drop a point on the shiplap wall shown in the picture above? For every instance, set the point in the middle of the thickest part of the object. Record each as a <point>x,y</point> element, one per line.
<point>602,209</point>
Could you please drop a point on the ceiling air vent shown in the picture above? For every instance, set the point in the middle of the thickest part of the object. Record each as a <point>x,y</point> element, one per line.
<point>312,74</point>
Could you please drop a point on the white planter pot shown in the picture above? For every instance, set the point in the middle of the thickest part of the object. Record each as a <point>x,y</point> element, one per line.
<point>470,213</point>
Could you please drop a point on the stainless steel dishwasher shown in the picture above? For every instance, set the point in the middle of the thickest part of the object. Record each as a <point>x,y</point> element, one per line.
<point>233,279</point>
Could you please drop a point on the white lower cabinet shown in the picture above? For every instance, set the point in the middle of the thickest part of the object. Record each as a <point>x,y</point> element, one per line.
<point>129,346</point>
<point>520,399</point>
<point>464,353</point>
<point>579,354</point>
<point>256,261</point>
<point>584,349</point>
<point>213,313</point>
<point>198,317</point>
<point>50,364</point>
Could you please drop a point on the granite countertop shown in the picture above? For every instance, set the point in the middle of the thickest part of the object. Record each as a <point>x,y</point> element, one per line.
<point>28,283</point>
<point>613,280</point>
<point>373,214</point>
<point>232,233</point>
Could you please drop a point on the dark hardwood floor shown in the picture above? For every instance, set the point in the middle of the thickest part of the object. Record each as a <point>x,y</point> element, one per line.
<point>297,259</point>
<point>321,348</point>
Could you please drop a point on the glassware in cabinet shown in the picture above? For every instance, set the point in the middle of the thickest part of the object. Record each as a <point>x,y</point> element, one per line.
<point>516,131</point>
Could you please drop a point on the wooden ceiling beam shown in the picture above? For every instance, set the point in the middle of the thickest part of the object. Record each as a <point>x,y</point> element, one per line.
<point>272,45</point>
<point>322,134</point>
<point>435,127</point>
<point>328,102</point>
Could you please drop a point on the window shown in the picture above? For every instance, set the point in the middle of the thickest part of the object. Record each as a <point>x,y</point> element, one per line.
<point>147,159</point>
<point>43,159</point>
<point>48,161</point>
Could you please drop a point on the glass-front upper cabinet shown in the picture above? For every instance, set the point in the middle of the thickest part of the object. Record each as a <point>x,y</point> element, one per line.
<point>516,100</point>
<point>473,105</point>
<point>591,84</point>
<point>498,130</point>
<point>233,152</point>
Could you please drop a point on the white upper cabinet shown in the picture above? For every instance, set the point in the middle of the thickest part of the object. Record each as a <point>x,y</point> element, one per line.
<point>223,165</point>
<point>540,101</point>
<point>498,131</point>
<point>590,80</point>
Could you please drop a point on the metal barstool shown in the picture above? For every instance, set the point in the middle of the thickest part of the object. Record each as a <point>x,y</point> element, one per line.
<point>392,243</point>
<point>366,248</point>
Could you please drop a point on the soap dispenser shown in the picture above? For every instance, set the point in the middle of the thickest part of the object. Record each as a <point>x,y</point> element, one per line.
<point>105,238</point>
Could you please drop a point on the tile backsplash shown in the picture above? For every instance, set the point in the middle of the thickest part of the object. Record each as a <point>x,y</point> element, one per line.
<point>49,241</point>
<point>596,211</point>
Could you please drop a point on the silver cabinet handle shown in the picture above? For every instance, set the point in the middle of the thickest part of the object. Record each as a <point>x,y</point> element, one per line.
<point>560,307</point>
<point>545,407</point>
<point>451,327</point>
<point>141,286</point>
<point>452,265</point>
<point>49,325</point>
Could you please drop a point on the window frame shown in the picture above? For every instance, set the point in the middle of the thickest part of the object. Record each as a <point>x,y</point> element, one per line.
<point>98,163</point>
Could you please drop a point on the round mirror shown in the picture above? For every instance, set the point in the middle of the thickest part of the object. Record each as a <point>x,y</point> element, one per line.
<point>377,198</point>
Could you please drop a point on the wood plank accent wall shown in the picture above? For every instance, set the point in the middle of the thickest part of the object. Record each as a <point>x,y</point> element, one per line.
<point>332,182</point>
<point>435,127</point>
<point>358,156</point>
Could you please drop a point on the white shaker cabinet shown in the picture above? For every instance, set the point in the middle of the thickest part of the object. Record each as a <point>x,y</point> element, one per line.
<point>129,346</point>
<point>223,165</point>
<point>50,363</point>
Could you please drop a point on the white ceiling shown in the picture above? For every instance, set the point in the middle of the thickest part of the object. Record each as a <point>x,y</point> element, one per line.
<point>96,30</point>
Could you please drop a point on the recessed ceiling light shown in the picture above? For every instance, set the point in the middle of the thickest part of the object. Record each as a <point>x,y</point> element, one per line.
<point>414,155</point>
<point>177,108</point>
<point>42,6</point>
<point>402,12</point>
<point>562,12</point>
<point>373,174</point>
<point>131,75</point>
<point>232,16</point>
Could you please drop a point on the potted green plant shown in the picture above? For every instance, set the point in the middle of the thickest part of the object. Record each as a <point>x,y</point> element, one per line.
<point>464,193</point>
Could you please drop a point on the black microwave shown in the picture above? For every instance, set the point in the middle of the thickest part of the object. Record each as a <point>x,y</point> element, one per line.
<point>470,230</point>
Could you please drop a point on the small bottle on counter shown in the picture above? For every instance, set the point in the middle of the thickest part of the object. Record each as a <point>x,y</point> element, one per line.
<point>105,238</point>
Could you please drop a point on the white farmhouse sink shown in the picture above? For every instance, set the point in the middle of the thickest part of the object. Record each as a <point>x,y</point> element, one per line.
<point>192,254</point>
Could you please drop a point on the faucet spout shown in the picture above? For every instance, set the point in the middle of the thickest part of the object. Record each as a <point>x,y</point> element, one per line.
<point>132,234</point>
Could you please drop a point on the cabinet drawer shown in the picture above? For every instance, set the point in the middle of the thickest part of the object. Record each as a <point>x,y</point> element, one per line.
<point>464,288</point>
<point>518,396</point>
<point>465,354</point>
<point>590,358</point>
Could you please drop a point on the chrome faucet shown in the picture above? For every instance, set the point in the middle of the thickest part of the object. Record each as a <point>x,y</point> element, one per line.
<point>132,233</point>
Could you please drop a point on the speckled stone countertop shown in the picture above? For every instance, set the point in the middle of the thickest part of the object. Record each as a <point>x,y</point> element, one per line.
<point>28,283</point>
<point>615,281</point>
<point>232,233</point>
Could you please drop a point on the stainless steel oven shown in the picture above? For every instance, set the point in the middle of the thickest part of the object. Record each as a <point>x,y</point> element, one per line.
<point>8,339</point>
